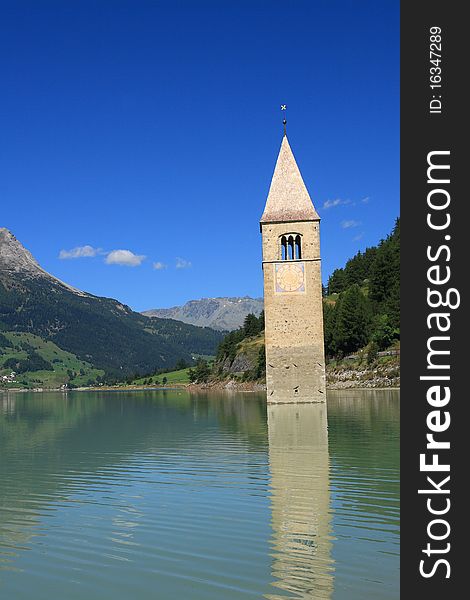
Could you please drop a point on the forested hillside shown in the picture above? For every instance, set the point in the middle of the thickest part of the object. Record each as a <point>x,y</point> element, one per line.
<point>362,304</point>
<point>101,331</point>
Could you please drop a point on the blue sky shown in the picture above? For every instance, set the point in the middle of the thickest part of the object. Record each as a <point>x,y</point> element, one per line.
<point>138,138</point>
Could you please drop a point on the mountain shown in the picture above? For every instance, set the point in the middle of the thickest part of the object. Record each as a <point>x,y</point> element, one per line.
<point>100,331</point>
<point>218,313</point>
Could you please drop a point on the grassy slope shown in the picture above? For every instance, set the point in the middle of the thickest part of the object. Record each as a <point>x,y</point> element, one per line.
<point>173,377</point>
<point>179,377</point>
<point>60,360</point>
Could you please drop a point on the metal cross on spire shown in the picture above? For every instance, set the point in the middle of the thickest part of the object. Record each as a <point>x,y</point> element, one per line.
<point>284,121</point>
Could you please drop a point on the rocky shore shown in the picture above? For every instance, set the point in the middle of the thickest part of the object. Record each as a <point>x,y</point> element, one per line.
<point>230,385</point>
<point>362,376</point>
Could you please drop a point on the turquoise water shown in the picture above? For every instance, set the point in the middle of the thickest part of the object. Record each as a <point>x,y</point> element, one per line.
<point>167,495</point>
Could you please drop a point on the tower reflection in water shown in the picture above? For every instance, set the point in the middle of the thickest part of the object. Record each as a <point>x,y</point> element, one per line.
<point>302,566</point>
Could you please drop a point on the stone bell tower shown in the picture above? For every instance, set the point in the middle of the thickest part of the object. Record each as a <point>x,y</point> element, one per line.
<point>290,229</point>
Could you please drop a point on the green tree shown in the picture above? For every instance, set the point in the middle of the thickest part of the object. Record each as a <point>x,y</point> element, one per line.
<point>329,321</point>
<point>261,364</point>
<point>384,333</point>
<point>352,320</point>
<point>385,273</point>
<point>372,352</point>
<point>392,306</point>
<point>336,281</point>
<point>228,347</point>
<point>181,364</point>
<point>251,325</point>
<point>200,373</point>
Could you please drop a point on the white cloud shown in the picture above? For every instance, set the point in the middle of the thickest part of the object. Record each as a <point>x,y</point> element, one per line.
<point>115,257</point>
<point>159,265</point>
<point>349,224</point>
<point>79,252</point>
<point>333,203</point>
<point>358,237</point>
<point>182,263</point>
<point>340,202</point>
<point>124,257</point>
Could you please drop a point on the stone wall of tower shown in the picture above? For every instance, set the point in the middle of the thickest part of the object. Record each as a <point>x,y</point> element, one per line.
<point>295,361</point>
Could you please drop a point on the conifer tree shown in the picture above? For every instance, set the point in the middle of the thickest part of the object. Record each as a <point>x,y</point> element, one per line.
<point>353,321</point>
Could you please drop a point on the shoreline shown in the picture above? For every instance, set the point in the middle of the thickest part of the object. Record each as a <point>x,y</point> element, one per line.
<point>218,386</point>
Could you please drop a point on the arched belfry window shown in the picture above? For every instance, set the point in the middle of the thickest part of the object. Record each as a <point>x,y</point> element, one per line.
<point>298,247</point>
<point>291,246</point>
<point>283,248</point>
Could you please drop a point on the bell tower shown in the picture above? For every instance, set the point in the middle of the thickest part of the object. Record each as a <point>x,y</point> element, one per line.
<point>290,229</point>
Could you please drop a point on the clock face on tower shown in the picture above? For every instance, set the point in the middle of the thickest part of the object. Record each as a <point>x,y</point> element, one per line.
<point>289,277</point>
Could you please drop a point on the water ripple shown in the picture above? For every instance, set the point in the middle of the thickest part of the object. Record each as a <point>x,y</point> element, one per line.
<point>197,498</point>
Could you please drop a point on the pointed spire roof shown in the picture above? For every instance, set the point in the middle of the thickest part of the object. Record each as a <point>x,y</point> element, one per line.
<point>288,198</point>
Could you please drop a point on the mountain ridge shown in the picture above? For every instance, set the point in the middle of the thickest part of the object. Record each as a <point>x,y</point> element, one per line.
<point>224,313</point>
<point>15,258</point>
<point>99,330</point>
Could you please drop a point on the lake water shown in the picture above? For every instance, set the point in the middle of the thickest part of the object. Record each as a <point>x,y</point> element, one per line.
<point>171,496</point>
